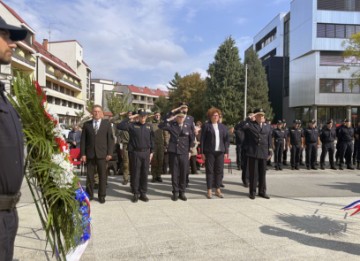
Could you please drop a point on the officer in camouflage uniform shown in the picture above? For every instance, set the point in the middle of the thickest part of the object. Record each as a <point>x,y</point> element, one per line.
<point>123,138</point>
<point>158,153</point>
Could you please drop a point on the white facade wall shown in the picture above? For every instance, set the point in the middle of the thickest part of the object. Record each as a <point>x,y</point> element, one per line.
<point>100,86</point>
<point>305,47</point>
<point>277,43</point>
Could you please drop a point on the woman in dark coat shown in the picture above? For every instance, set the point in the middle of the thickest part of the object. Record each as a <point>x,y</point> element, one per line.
<point>214,146</point>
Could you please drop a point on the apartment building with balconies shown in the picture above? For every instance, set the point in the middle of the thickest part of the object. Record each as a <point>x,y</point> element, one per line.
<point>64,87</point>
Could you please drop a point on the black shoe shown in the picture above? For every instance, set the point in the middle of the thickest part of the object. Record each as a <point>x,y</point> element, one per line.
<point>284,163</point>
<point>276,168</point>
<point>153,180</point>
<point>333,167</point>
<point>302,164</point>
<point>322,167</point>
<point>159,179</point>
<point>182,197</point>
<point>238,168</point>
<point>102,200</point>
<point>222,186</point>
<point>314,168</point>
<point>308,168</point>
<point>251,196</point>
<point>350,167</point>
<point>264,196</point>
<point>246,185</point>
<point>280,168</point>
<point>297,168</point>
<point>174,197</point>
<point>340,167</point>
<point>125,182</point>
<point>144,198</point>
<point>96,186</point>
<point>292,168</point>
<point>135,198</point>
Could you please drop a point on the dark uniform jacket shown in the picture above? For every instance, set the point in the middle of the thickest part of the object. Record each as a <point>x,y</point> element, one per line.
<point>141,135</point>
<point>11,148</point>
<point>97,145</point>
<point>181,139</point>
<point>345,134</point>
<point>295,136</point>
<point>239,134</point>
<point>279,135</point>
<point>327,135</point>
<point>258,140</point>
<point>311,135</point>
<point>207,141</point>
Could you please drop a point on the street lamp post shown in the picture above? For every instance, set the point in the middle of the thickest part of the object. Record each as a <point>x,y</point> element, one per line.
<point>245,92</point>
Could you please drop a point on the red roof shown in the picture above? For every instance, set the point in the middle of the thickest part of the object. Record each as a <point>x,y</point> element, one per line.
<point>147,91</point>
<point>14,13</point>
<point>40,48</point>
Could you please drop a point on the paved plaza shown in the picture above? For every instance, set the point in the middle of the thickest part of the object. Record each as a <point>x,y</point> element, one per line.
<point>303,220</point>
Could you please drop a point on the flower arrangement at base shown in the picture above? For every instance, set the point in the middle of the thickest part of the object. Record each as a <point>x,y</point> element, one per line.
<point>49,172</point>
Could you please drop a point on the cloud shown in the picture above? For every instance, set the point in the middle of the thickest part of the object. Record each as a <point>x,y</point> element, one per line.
<point>243,43</point>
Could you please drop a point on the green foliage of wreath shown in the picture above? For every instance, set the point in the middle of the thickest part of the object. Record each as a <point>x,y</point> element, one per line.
<point>56,205</point>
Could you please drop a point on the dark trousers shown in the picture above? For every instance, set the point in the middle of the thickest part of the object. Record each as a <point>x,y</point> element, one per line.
<point>257,172</point>
<point>356,155</point>
<point>345,151</point>
<point>245,169</point>
<point>278,154</point>
<point>9,223</point>
<point>214,167</point>
<point>92,166</point>
<point>284,155</point>
<point>325,148</point>
<point>311,154</point>
<point>166,163</point>
<point>180,167</point>
<point>140,163</point>
<point>295,155</point>
<point>238,156</point>
<point>193,166</point>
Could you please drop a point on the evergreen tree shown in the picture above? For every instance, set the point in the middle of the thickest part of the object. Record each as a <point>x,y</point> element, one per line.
<point>225,84</point>
<point>257,87</point>
<point>118,103</point>
<point>162,105</point>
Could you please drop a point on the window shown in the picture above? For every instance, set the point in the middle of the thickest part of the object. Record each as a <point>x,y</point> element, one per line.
<point>62,90</point>
<point>49,99</point>
<point>341,31</point>
<point>48,84</point>
<point>339,5</point>
<point>339,86</point>
<point>57,101</point>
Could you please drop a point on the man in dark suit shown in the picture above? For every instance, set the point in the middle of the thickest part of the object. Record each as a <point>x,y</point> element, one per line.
<point>258,137</point>
<point>97,146</point>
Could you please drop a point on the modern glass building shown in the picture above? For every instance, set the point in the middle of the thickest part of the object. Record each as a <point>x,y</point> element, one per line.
<point>304,47</point>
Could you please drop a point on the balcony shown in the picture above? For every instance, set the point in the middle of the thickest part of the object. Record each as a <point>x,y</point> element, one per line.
<point>59,76</point>
<point>23,59</point>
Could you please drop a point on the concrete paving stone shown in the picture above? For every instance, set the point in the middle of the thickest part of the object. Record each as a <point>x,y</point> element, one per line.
<point>173,245</point>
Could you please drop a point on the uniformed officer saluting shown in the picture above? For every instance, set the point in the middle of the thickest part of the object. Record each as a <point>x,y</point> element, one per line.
<point>141,145</point>
<point>327,138</point>
<point>258,139</point>
<point>311,139</point>
<point>179,149</point>
<point>279,141</point>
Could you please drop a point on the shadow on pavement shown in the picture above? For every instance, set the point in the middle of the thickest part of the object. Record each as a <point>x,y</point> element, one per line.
<point>313,224</point>
<point>312,241</point>
<point>353,187</point>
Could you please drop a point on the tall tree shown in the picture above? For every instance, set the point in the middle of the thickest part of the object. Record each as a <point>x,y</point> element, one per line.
<point>257,86</point>
<point>118,103</point>
<point>162,105</point>
<point>225,84</point>
<point>352,56</point>
<point>190,88</point>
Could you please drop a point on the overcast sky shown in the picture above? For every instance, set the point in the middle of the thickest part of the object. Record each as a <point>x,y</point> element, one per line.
<point>144,42</point>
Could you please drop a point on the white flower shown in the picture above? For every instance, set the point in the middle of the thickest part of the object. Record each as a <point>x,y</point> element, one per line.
<point>63,179</point>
